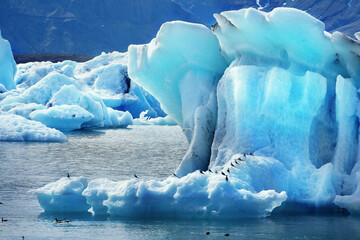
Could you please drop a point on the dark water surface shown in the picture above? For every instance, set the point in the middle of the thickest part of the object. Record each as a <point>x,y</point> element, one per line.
<point>152,152</point>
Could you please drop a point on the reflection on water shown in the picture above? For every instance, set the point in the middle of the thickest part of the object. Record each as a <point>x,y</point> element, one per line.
<point>152,152</point>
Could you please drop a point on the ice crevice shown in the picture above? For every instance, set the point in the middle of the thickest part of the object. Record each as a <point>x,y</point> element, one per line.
<point>275,85</point>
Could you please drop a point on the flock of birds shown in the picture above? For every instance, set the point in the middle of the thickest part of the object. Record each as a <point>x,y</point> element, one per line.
<point>233,164</point>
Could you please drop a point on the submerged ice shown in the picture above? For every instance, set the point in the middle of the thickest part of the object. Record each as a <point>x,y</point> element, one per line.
<point>269,105</point>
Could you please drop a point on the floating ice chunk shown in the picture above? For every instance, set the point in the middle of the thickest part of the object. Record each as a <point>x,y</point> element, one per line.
<point>63,195</point>
<point>7,65</point>
<point>17,128</point>
<point>70,95</point>
<point>195,196</point>
<point>163,121</point>
<point>118,118</point>
<point>63,118</point>
<point>142,120</point>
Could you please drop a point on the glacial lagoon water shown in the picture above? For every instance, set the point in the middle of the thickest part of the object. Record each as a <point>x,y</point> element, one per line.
<point>152,152</point>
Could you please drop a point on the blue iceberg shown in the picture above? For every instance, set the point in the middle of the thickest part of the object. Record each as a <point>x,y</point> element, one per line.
<point>269,105</point>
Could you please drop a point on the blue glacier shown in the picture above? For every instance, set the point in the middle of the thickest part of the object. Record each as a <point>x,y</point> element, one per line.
<point>269,105</point>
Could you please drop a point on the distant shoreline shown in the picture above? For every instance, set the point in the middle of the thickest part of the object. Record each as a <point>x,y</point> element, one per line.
<point>52,57</point>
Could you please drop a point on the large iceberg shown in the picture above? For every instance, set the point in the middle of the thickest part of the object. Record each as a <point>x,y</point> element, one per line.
<point>269,105</point>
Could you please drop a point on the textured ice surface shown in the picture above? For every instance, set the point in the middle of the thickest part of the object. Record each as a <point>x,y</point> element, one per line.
<point>269,104</point>
<point>18,128</point>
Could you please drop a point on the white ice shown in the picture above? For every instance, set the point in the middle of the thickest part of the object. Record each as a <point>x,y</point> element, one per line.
<point>17,128</point>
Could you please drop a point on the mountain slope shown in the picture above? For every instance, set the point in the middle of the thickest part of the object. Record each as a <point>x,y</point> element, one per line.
<point>91,26</point>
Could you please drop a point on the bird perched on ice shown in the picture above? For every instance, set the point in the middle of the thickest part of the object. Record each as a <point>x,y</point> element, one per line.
<point>68,175</point>
<point>223,173</point>
<point>202,172</point>
<point>228,170</point>
<point>251,154</point>
<point>210,171</point>
<point>136,176</point>
<point>226,178</point>
<point>58,220</point>
<point>232,165</point>
<point>175,175</point>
